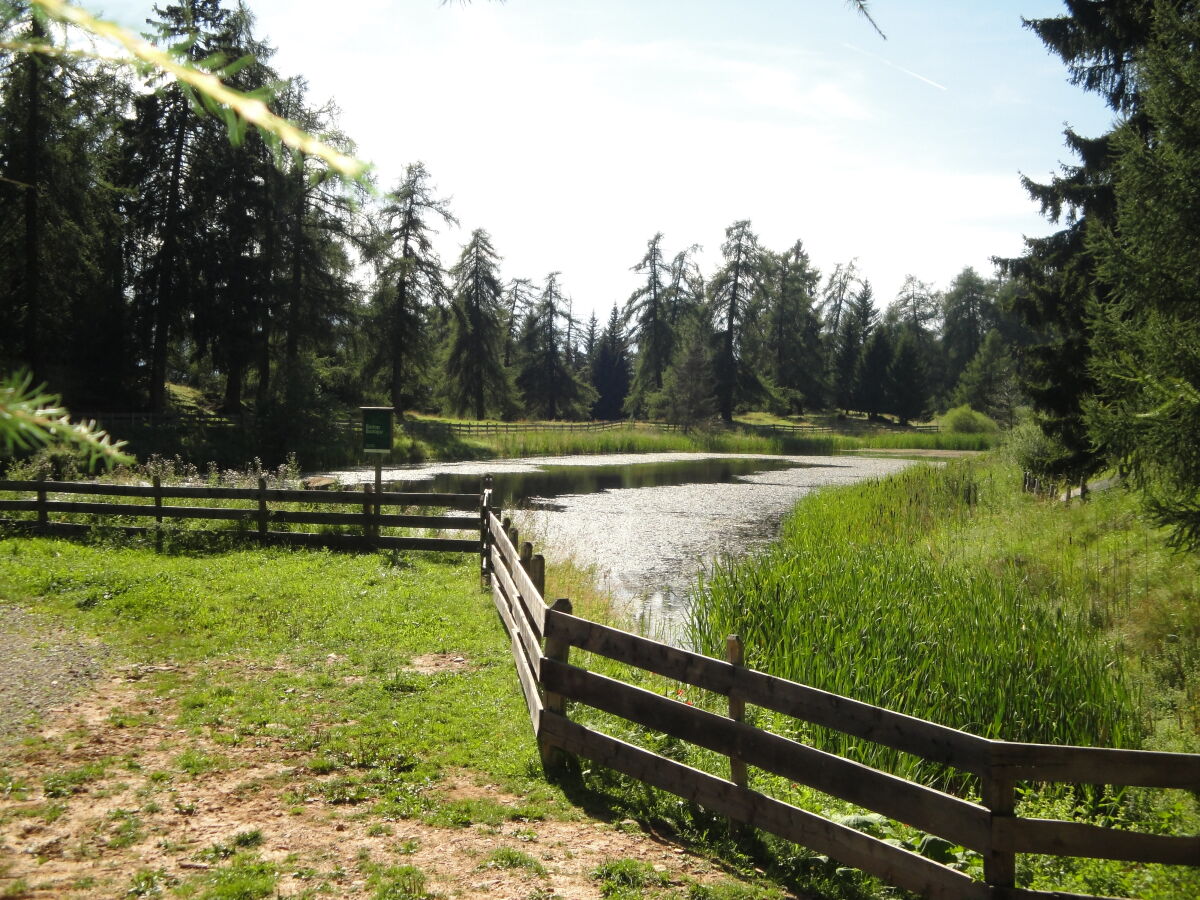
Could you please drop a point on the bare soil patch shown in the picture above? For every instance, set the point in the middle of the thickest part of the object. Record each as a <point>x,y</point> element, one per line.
<point>102,790</point>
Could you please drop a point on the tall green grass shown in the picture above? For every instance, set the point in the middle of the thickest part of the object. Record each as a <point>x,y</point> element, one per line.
<point>853,600</point>
<point>643,439</point>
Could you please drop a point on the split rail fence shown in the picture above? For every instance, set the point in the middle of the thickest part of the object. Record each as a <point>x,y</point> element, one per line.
<point>56,509</point>
<point>541,640</point>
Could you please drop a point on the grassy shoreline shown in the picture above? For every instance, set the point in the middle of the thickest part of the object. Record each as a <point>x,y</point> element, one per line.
<point>640,439</point>
<point>949,594</point>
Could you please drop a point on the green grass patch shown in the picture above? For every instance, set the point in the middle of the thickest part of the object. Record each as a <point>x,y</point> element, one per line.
<point>509,858</point>
<point>626,879</point>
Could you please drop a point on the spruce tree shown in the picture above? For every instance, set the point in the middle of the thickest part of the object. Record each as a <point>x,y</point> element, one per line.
<point>476,374</point>
<point>611,376</point>
<point>549,388</point>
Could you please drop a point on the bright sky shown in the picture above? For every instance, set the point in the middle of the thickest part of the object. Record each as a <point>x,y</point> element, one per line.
<point>573,130</point>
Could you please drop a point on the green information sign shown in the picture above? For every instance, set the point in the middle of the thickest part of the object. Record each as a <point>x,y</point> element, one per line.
<point>377,429</point>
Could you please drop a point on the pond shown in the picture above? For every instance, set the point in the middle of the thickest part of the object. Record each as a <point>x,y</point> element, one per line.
<point>647,522</point>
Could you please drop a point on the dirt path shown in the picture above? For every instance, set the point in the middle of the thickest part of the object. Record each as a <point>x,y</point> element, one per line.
<point>105,798</point>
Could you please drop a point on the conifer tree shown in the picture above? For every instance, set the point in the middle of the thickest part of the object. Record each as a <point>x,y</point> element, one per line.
<point>792,340</point>
<point>872,389</point>
<point>968,313</point>
<point>649,308</point>
<point>611,375</point>
<point>476,374</point>
<point>549,388</point>
<point>409,278</point>
<point>60,265</point>
<point>857,323</point>
<point>907,389</point>
<point>688,397</point>
<point>735,290</point>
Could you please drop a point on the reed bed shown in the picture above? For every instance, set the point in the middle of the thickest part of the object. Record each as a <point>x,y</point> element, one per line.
<point>852,600</point>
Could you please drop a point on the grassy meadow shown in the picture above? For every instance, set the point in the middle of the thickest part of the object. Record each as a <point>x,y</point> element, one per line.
<point>636,438</point>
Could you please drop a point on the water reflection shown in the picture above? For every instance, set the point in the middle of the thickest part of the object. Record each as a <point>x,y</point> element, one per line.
<point>533,488</point>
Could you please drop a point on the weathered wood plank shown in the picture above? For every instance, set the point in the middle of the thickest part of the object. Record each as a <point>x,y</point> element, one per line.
<point>278,538</point>
<point>1058,838</point>
<point>534,603</point>
<point>923,807</point>
<point>275,495</point>
<point>525,676</point>
<point>139,510</point>
<point>442,523</point>
<point>513,593</point>
<point>1097,765</point>
<point>893,864</point>
<point>931,741</point>
<point>1027,894</point>
<point>520,622</point>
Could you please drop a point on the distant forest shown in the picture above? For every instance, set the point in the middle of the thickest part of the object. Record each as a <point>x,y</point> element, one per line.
<point>159,253</point>
<point>145,257</point>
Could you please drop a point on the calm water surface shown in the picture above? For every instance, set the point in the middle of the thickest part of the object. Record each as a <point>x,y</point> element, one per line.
<point>647,522</point>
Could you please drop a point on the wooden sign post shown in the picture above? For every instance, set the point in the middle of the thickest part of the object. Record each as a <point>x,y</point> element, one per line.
<point>377,441</point>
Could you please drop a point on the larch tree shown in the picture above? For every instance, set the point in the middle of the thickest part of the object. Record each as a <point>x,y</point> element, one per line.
<point>734,291</point>
<point>648,308</point>
<point>409,277</point>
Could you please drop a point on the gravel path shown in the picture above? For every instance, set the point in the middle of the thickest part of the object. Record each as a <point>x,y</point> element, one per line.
<point>41,666</point>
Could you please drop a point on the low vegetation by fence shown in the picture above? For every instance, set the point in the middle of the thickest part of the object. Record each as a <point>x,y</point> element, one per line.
<point>258,513</point>
<point>541,640</point>
<point>124,423</point>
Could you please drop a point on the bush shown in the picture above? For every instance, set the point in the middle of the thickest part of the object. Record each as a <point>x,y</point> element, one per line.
<point>964,420</point>
<point>1031,449</point>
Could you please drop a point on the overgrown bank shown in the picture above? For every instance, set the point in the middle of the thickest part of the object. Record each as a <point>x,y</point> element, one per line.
<point>951,595</point>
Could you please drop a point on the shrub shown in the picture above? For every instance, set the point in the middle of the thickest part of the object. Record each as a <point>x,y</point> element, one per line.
<point>964,420</point>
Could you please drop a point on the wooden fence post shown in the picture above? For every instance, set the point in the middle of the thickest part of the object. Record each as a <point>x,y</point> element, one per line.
<point>485,533</point>
<point>537,574</point>
<point>999,866</point>
<point>262,507</point>
<point>43,511</point>
<point>367,508</point>
<point>526,555</point>
<point>158,538</point>
<point>558,650</point>
<point>736,655</point>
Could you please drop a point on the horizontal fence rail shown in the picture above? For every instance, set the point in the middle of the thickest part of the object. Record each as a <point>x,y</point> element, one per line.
<point>841,428</point>
<point>259,508</point>
<point>417,426</point>
<point>541,640</point>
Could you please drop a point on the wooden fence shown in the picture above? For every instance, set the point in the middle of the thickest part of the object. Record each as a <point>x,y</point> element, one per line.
<point>418,426</point>
<point>258,509</point>
<point>847,427</point>
<point>542,636</point>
